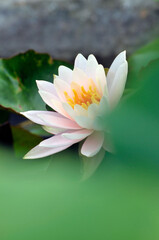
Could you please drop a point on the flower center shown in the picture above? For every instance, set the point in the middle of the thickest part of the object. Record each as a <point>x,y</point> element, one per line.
<point>83,98</point>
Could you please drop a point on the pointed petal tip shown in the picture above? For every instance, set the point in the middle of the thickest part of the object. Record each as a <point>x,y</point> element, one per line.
<point>39,82</point>
<point>93,58</point>
<point>79,54</point>
<point>23,113</point>
<point>26,156</point>
<point>55,76</point>
<point>61,67</point>
<point>124,54</point>
<point>30,157</point>
<point>80,61</point>
<point>88,155</point>
<point>91,55</point>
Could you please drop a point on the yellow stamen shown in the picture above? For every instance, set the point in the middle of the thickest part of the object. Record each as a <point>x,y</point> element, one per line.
<point>84,98</point>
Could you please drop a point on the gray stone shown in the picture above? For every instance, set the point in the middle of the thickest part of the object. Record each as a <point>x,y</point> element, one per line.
<point>65,27</point>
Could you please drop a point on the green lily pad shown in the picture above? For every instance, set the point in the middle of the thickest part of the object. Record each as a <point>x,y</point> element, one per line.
<point>18,77</point>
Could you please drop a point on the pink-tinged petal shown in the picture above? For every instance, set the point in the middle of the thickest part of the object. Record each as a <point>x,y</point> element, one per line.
<point>40,152</point>
<point>92,144</point>
<point>34,116</point>
<point>65,74</point>
<point>58,107</point>
<point>80,78</point>
<point>118,61</point>
<point>48,98</point>
<point>61,87</point>
<point>80,134</point>
<point>51,119</point>
<point>101,80</point>
<point>54,102</point>
<point>46,87</point>
<point>80,62</point>
<point>58,141</point>
<point>58,122</point>
<point>117,88</point>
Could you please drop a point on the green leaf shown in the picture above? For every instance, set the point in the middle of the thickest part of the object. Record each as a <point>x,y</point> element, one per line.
<point>140,59</point>
<point>23,141</point>
<point>17,80</point>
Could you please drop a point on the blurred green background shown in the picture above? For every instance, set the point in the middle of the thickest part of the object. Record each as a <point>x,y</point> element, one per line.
<point>46,198</point>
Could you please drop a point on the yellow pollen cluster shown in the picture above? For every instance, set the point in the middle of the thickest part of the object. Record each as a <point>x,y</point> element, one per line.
<point>83,98</point>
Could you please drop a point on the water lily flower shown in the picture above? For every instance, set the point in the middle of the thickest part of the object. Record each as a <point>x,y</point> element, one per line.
<point>79,97</point>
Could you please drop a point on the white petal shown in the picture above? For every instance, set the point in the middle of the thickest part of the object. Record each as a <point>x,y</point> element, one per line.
<point>92,144</point>
<point>65,74</point>
<point>119,60</point>
<point>39,152</point>
<point>80,62</point>
<point>93,60</point>
<point>53,130</point>
<point>84,122</point>
<point>47,87</point>
<point>80,134</point>
<point>58,141</point>
<point>118,85</point>
<point>103,106</point>
<point>91,67</point>
<point>80,111</point>
<point>93,110</point>
<point>101,80</point>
